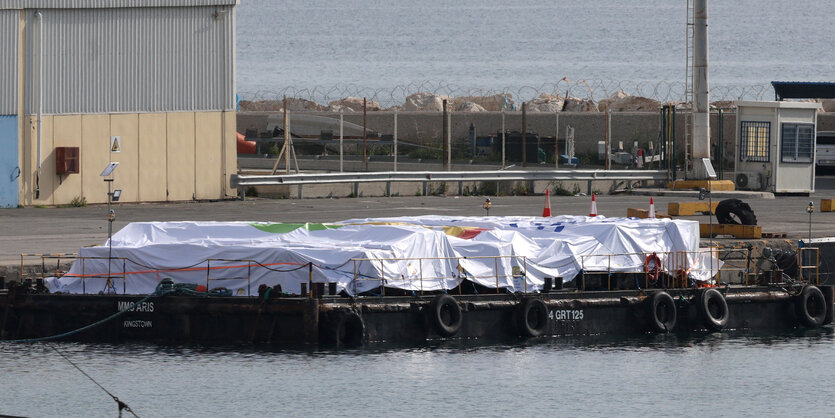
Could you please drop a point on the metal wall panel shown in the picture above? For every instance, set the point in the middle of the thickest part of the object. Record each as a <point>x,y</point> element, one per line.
<point>9,39</point>
<point>98,4</point>
<point>9,169</point>
<point>131,60</point>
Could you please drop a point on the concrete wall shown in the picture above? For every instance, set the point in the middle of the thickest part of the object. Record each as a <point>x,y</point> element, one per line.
<point>163,157</point>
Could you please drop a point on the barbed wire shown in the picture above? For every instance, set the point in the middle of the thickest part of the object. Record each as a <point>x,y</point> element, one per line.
<point>594,90</point>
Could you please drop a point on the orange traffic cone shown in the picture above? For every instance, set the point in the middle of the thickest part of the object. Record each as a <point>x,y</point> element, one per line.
<point>651,207</point>
<point>546,212</point>
<point>593,211</point>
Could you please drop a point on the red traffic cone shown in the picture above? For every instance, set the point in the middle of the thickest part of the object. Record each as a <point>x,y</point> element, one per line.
<point>546,212</point>
<point>593,211</point>
<point>651,207</point>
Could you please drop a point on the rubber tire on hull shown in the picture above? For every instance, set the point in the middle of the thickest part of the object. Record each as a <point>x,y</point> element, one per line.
<point>446,315</point>
<point>811,307</point>
<point>349,330</point>
<point>727,207</point>
<point>533,317</point>
<point>662,312</point>
<point>713,309</point>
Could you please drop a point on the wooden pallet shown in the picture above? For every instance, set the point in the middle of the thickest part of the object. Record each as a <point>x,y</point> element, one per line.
<point>737,231</point>
<point>690,208</point>
<point>774,234</point>
<point>644,213</point>
<point>827,205</point>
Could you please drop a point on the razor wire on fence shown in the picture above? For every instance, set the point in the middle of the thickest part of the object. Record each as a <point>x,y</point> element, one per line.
<point>326,97</point>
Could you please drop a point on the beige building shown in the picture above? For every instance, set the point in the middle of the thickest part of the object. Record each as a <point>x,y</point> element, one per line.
<point>147,83</point>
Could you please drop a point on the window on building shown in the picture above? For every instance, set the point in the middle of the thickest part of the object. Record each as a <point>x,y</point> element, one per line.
<point>754,141</point>
<point>798,143</point>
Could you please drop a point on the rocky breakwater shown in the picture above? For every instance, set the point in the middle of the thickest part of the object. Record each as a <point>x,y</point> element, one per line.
<point>620,101</point>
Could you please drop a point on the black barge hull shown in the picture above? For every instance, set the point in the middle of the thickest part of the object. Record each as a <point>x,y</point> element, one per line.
<point>342,321</point>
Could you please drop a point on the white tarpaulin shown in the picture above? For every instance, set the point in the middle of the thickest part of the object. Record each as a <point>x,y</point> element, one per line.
<point>411,253</point>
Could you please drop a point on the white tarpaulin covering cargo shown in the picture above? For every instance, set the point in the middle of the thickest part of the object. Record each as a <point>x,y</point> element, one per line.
<point>411,253</point>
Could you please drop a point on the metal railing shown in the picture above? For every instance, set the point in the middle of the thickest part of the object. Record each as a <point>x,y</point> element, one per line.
<point>676,265</point>
<point>248,266</point>
<point>242,181</point>
<point>814,268</point>
<point>520,273</point>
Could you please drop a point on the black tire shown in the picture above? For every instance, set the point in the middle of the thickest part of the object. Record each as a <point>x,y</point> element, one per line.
<point>742,212</point>
<point>662,312</point>
<point>350,330</point>
<point>446,315</point>
<point>713,309</point>
<point>533,317</point>
<point>811,307</point>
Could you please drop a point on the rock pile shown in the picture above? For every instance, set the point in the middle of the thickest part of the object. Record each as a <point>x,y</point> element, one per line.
<point>548,103</point>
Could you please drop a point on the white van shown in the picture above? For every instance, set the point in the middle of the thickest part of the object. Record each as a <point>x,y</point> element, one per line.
<point>825,149</point>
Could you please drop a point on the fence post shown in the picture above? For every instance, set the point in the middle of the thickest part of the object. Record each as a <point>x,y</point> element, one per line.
<point>608,138</point>
<point>449,140</point>
<point>365,133</point>
<point>524,135</point>
<point>444,137</point>
<point>341,124</point>
<point>557,140</point>
<point>504,162</point>
<point>395,139</point>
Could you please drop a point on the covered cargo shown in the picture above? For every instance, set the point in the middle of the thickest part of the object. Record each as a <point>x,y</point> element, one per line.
<point>425,253</point>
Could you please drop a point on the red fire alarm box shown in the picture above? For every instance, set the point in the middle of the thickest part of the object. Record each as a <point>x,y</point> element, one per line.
<point>66,160</point>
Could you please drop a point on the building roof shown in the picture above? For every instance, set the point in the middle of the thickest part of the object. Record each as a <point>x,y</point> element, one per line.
<point>109,4</point>
<point>803,90</point>
<point>779,104</point>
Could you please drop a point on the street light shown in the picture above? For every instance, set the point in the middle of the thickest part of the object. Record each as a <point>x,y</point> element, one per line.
<point>113,196</point>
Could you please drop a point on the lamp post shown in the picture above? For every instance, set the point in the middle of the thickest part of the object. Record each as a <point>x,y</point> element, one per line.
<point>810,209</point>
<point>112,196</point>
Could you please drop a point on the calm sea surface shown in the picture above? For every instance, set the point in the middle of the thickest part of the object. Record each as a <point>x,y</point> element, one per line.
<point>497,44</point>
<point>736,374</point>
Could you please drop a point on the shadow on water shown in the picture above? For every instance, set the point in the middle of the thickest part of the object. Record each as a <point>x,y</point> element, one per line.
<point>589,343</point>
<point>645,342</point>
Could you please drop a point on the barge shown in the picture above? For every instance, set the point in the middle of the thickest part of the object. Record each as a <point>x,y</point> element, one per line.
<point>410,280</point>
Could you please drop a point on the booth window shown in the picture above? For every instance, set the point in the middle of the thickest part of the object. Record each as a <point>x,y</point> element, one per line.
<point>754,141</point>
<point>798,143</point>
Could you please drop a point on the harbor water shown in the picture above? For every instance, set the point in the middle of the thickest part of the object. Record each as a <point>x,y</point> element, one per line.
<point>722,374</point>
<point>359,46</point>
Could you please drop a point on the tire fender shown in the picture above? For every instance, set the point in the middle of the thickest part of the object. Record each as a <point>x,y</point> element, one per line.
<point>533,317</point>
<point>810,307</point>
<point>446,315</point>
<point>713,309</point>
<point>349,330</point>
<point>662,312</point>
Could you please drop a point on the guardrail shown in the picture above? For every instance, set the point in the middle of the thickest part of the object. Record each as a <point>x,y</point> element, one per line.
<point>242,181</point>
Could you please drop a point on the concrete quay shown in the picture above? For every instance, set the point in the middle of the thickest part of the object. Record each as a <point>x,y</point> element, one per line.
<point>65,230</point>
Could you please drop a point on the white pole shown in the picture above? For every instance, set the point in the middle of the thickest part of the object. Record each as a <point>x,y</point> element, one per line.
<point>40,98</point>
<point>503,142</point>
<point>557,140</point>
<point>701,99</point>
<point>341,121</point>
<point>395,139</point>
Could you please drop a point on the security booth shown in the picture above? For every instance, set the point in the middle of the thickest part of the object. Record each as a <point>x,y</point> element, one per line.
<point>776,146</point>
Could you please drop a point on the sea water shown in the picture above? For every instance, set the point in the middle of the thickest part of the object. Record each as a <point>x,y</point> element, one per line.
<point>385,49</point>
<point>735,374</point>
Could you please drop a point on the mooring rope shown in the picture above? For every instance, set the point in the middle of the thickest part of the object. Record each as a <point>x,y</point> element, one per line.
<point>122,405</point>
